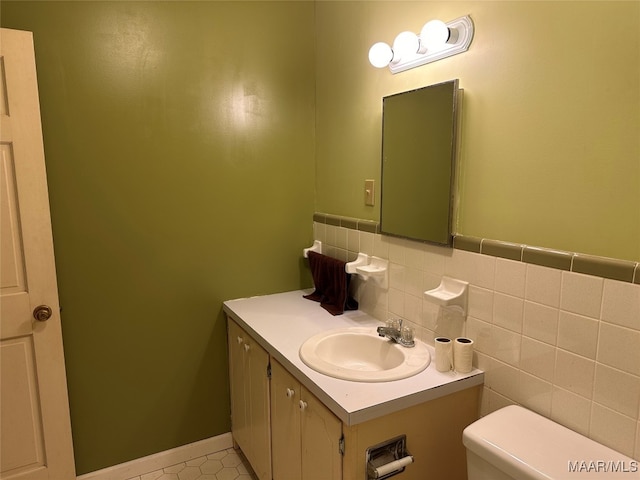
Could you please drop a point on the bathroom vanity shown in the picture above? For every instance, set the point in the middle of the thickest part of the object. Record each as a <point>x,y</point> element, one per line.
<point>292,422</point>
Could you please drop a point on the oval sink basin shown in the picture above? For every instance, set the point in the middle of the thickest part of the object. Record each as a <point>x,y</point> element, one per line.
<point>360,354</point>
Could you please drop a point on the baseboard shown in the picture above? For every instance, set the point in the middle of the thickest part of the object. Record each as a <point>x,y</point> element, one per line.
<point>161,460</point>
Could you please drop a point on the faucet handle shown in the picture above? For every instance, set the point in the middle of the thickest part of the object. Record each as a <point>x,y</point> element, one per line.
<point>406,337</point>
<point>395,323</point>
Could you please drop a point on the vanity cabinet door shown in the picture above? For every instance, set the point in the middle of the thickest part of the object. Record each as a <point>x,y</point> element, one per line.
<point>239,413</point>
<point>285,424</point>
<point>320,433</point>
<point>305,434</point>
<point>250,402</point>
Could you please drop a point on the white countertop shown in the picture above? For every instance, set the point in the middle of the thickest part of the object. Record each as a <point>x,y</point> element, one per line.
<point>282,322</point>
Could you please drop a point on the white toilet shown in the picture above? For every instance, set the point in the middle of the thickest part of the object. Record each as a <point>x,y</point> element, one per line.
<point>514,443</point>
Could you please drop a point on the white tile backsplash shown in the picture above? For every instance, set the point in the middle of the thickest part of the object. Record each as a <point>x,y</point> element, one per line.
<point>510,277</point>
<point>578,334</point>
<point>353,240</point>
<point>434,260</point>
<point>480,332</point>
<point>367,243</point>
<point>574,373</point>
<point>480,303</point>
<point>571,410</point>
<point>621,304</point>
<point>413,308</point>
<point>506,345</point>
<point>617,390</point>
<point>413,278</point>
<point>538,358</point>
<point>478,270</point>
<point>535,394</point>
<point>504,379</point>
<point>543,285</point>
<point>581,294</point>
<point>397,251</point>
<point>341,237</point>
<point>540,322</point>
<point>508,312</point>
<point>612,429</point>
<point>564,344</point>
<point>619,347</point>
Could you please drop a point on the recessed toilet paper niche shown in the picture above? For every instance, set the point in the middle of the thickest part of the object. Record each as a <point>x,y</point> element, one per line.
<point>387,458</point>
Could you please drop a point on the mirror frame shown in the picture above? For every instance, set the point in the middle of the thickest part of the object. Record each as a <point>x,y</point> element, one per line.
<point>441,238</point>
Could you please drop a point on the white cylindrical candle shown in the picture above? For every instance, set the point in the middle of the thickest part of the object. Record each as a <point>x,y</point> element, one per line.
<point>444,354</point>
<point>463,355</point>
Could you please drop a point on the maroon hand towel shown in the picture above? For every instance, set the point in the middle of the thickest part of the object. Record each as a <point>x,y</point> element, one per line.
<point>331,284</point>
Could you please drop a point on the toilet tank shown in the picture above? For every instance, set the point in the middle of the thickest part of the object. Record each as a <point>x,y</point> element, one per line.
<point>515,443</point>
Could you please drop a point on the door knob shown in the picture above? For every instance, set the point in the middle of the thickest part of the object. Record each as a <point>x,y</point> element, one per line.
<point>303,405</point>
<point>290,392</point>
<point>42,313</point>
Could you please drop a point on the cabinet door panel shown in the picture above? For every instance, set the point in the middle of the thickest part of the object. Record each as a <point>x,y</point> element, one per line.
<point>259,455</point>
<point>320,433</point>
<point>239,408</point>
<point>250,410</point>
<point>285,424</point>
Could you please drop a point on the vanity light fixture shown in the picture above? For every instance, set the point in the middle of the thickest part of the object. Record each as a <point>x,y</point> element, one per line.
<point>436,40</point>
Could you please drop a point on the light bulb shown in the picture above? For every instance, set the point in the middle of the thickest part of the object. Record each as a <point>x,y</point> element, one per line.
<point>380,54</point>
<point>405,45</point>
<point>434,34</point>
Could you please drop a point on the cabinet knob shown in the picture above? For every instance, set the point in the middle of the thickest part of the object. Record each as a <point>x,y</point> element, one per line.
<point>246,347</point>
<point>290,393</point>
<point>303,405</point>
<point>239,340</point>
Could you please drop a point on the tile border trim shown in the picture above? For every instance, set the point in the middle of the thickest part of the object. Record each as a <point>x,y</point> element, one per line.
<point>611,268</point>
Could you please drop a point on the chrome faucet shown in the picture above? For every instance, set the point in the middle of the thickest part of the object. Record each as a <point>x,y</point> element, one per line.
<point>396,332</point>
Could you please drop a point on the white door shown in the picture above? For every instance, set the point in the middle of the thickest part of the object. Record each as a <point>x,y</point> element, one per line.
<point>35,431</point>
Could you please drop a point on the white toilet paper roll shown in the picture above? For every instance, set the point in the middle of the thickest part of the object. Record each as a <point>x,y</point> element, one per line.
<point>383,470</point>
<point>444,354</point>
<point>462,355</point>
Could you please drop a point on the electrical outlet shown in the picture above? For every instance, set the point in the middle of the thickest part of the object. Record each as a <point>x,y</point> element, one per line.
<point>369,193</point>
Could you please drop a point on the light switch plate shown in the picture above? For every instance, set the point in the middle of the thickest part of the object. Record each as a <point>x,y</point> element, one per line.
<point>369,193</point>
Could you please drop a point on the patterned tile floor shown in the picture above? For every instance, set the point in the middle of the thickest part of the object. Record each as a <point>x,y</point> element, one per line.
<point>224,465</point>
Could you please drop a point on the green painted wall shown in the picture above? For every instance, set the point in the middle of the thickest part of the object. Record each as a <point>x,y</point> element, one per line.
<point>550,141</point>
<point>179,140</point>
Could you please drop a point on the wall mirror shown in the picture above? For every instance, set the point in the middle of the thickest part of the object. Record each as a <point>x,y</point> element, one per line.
<point>418,163</point>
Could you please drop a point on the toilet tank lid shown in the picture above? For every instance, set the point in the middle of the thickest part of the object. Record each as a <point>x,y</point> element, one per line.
<point>528,446</point>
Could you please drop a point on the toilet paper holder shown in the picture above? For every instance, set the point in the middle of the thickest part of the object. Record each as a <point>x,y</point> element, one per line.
<point>387,458</point>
